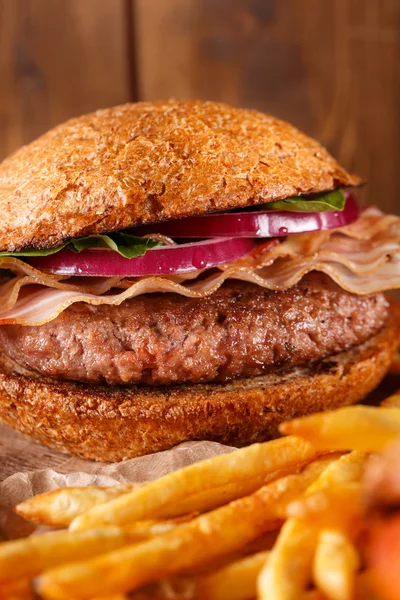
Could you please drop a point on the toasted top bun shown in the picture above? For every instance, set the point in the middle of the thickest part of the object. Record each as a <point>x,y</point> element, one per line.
<point>152,161</point>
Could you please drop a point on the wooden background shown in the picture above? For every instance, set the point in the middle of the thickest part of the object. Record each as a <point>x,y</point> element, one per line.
<point>332,67</point>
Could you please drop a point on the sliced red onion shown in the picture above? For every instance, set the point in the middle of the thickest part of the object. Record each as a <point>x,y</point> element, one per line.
<point>263,224</point>
<point>158,261</point>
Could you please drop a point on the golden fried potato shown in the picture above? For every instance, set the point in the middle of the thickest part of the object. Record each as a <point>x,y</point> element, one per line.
<point>27,557</point>
<point>245,469</point>
<point>237,581</point>
<point>336,506</point>
<point>336,562</point>
<point>59,507</point>
<point>393,400</point>
<point>287,576</point>
<point>288,570</point>
<point>17,590</point>
<point>363,428</point>
<point>209,536</point>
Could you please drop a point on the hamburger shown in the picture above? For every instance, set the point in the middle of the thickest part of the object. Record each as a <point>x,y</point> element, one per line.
<point>183,270</point>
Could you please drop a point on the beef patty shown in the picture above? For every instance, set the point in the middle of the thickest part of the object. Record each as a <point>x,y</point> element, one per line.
<point>239,331</point>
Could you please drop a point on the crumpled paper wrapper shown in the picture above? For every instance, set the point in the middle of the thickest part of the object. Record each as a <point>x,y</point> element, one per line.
<point>27,468</point>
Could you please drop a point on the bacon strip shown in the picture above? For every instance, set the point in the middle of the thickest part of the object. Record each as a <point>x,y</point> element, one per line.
<point>362,258</point>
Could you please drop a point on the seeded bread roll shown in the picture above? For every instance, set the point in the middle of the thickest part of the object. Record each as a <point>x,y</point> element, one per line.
<point>152,161</point>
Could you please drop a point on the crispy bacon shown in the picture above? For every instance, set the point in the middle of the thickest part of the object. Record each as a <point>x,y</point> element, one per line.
<point>362,258</point>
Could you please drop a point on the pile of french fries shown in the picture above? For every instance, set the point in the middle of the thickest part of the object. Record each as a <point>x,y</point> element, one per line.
<point>274,521</point>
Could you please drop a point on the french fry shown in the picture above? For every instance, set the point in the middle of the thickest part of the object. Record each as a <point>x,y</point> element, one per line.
<point>288,570</point>
<point>349,468</point>
<point>364,589</point>
<point>335,565</point>
<point>59,507</point>
<point>276,495</point>
<point>27,557</point>
<point>288,575</point>
<point>363,428</point>
<point>261,544</point>
<point>172,588</point>
<point>283,491</point>
<point>258,464</point>
<point>338,506</point>
<point>17,590</point>
<point>210,499</point>
<point>209,536</point>
<point>237,581</point>
<point>393,400</point>
<point>237,524</point>
<point>165,589</point>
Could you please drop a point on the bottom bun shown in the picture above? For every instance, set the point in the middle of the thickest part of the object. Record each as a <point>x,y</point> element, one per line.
<point>111,424</point>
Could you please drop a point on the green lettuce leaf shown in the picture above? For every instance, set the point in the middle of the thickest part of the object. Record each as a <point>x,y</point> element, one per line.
<point>329,201</point>
<point>129,246</point>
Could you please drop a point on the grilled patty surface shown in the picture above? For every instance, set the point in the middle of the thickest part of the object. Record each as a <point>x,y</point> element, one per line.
<point>240,331</point>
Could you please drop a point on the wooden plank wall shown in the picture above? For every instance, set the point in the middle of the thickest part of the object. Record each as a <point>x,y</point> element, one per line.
<point>332,67</point>
<point>58,59</point>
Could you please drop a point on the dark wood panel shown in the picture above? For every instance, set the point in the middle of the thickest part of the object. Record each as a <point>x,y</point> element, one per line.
<point>59,59</point>
<point>330,67</point>
<point>166,38</point>
<point>11,134</point>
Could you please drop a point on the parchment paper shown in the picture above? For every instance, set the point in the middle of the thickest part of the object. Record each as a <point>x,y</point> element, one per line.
<point>27,468</point>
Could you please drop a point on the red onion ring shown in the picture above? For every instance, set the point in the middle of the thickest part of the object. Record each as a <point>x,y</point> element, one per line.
<point>157,261</point>
<point>265,224</point>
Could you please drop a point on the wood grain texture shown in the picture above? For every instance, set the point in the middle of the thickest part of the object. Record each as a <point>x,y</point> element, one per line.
<point>331,68</point>
<point>59,59</point>
<point>11,133</point>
